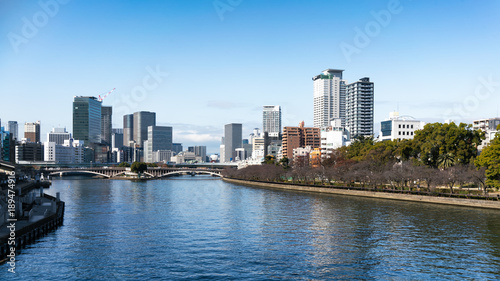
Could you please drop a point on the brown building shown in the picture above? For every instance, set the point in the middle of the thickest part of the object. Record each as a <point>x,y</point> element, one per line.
<point>294,137</point>
<point>32,131</point>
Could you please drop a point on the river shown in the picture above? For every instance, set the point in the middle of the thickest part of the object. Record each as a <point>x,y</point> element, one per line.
<point>202,228</point>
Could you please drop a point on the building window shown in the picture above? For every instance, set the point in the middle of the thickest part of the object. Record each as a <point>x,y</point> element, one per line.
<point>400,126</point>
<point>400,132</point>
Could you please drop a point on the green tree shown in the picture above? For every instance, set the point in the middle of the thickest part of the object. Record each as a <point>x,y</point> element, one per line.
<point>437,139</point>
<point>269,159</point>
<point>138,167</point>
<point>284,162</point>
<point>446,160</point>
<point>124,164</point>
<point>490,159</point>
<point>358,148</point>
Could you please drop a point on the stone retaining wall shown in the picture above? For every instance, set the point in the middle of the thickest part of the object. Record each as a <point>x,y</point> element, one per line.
<point>384,195</point>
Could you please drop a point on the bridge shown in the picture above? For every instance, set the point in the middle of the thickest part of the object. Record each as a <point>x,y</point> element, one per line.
<point>112,172</point>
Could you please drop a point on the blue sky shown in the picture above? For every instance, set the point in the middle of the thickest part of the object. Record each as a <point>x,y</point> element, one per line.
<point>202,64</point>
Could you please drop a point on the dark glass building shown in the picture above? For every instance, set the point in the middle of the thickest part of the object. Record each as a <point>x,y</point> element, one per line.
<point>128,129</point>
<point>142,120</point>
<point>106,124</point>
<point>87,119</point>
<point>232,139</point>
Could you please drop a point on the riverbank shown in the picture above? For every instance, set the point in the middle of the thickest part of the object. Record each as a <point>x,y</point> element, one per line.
<point>489,204</point>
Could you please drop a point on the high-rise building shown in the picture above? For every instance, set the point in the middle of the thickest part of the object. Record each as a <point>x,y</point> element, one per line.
<point>32,131</point>
<point>7,146</point>
<point>128,129</point>
<point>87,119</point>
<point>58,136</point>
<point>142,120</point>
<point>12,127</point>
<point>106,124</point>
<point>359,108</point>
<point>233,139</point>
<point>329,97</point>
<point>294,137</point>
<point>117,139</point>
<point>271,120</point>
<point>176,147</point>
<point>200,151</point>
<point>159,138</point>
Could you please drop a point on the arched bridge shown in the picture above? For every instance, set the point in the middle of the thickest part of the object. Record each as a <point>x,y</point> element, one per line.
<point>111,172</point>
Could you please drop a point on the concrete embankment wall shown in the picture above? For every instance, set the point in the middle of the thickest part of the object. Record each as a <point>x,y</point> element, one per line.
<point>30,233</point>
<point>490,204</point>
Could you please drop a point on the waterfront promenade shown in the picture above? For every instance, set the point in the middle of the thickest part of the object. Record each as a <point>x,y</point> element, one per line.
<point>489,204</point>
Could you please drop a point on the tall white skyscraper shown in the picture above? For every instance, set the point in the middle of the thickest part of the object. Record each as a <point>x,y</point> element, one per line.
<point>271,120</point>
<point>359,108</point>
<point>329,97</point>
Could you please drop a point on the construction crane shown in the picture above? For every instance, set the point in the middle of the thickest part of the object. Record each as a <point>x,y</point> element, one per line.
<point>102,98</point>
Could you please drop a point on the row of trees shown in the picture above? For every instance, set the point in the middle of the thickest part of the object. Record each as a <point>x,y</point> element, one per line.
<point>438,155</point>
<point>398,176</point>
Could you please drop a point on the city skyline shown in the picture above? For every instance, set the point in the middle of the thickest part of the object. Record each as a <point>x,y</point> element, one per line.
<point>443,67</point>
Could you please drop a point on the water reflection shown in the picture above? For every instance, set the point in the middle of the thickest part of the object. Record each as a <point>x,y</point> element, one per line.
<point>204,228</point>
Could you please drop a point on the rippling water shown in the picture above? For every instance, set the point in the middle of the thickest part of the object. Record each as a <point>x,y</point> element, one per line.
<point>190,228</point>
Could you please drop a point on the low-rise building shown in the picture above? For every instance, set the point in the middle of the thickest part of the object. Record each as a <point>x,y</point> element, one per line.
<point>186,157</point>
<point>28,152</point>
<point>333,137</point>
<point>164,156</point>
<point>489,126</point>
<point>399,127</point>
<point>301,156</point>
<point>70,152</point>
